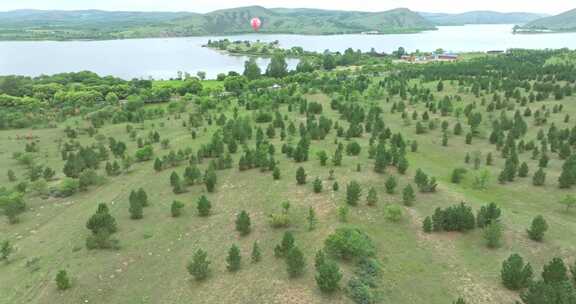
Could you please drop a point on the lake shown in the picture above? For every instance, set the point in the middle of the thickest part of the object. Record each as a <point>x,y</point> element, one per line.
<point>163,58</point>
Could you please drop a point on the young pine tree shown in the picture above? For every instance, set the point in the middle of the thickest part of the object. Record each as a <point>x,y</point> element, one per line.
<point>408,195</point>
<point>136,210</point>
<point>539,178</point>
<point>295,262</point>
<point>234,259</point>
<point>204,206</point>
<point>256,253</point>
<point>328,276</point>
<point>199,267</point>
<point>62,280</point>
<point>515,274</point>
<point>210,180</point>
<point>176,208</point>
<point>276,173</point>
<point>538,229</point>
<point>391,184</point>
<point>243,223</point>
<point>6,249</point>
<point>427,225</point>
<point>312,219</point>
<point>353,193</point>
<point>317,185</point>
<point>555,272</point>
<point>282,249</point>
<point>493,234</point>
<point>372,198</point>
<point>300,176</point>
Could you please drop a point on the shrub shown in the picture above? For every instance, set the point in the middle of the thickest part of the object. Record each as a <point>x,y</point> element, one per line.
<point>349,243</point>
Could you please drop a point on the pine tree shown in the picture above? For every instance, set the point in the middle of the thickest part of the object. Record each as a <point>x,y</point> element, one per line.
<point>11,176</point>
<point>243,223</point>
<point>319,259</point>
<point>402,165</point>
<point>515,274</point>
<point>317,185</point>
<point>6,249</point>
<point>372,197</point>
<point>177,186</point>
<point>256,254</point>
<point>62,280</point>
<point>204,206</point>
<point>312,220</point>
<point>234,259</point>
<point>538,228</point>
<point>210,180</point>
<point>427,225</point>
<point>295,262</point>
<point>523,171</point>
<point>391,184</point>
<point>102,221</point>
<point>287,243</point>
<point>328,277</point>
<point>176,208</point>
<point>136,210</point>
<point>276,173</point>
<point>555,271</point>
<point>567,178</point>
<point>158,166</point>
<point>353,193</point>
<point>300,176</point>
<point>493,234</point>
<point>142,197</point>
<point>539,178</point>
<point>199,267</point>
<point>408,195</point>
<point>335,187</point>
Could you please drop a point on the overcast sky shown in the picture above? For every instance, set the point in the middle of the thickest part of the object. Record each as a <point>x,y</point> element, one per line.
<point>451,6</point>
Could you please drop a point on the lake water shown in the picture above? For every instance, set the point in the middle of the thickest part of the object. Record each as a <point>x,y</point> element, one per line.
<point>163,58</point>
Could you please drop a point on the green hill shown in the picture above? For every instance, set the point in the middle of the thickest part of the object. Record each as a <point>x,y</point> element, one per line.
<point>93,24</point>
<point>481,17</point>
<point>564,22</point>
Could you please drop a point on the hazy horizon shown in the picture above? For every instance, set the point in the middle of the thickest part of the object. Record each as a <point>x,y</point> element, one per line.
<point>202,6</point>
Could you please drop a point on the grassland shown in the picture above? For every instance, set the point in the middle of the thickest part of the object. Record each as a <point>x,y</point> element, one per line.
<point>150,267</point>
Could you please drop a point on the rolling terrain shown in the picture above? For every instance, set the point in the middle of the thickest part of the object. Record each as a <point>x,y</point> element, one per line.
<point>379,127</point>
<point>69,25</point>
<point>565,22</point>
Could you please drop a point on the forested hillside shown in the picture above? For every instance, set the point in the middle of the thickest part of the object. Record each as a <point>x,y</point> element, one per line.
<point>564,22</point>
<point>66,25</point>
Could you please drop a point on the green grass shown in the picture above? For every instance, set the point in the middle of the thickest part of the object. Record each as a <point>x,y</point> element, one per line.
<point>150,266</point>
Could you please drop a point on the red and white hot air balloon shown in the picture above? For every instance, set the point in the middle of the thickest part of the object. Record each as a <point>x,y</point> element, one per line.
<point>256,23</point>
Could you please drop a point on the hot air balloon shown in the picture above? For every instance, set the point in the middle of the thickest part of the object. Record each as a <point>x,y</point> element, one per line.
<point>256,23</point>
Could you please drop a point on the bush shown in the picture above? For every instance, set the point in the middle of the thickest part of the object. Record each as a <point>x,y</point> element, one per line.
<point>393,213</point>
<point>68,187</point>
<point>349,243</point>
<point>359,292</point>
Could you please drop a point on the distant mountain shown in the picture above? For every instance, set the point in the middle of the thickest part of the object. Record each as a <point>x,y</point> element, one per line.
<point>94,24</point>
<point>565,22</point>
<point>481,17</point>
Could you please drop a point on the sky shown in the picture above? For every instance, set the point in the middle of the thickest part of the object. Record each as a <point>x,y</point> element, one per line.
<point>448,6</point>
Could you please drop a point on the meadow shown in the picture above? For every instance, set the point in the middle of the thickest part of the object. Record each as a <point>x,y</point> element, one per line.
<point>416,267</point>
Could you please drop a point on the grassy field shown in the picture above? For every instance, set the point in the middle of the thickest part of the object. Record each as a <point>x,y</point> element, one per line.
<point>150,267</point>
